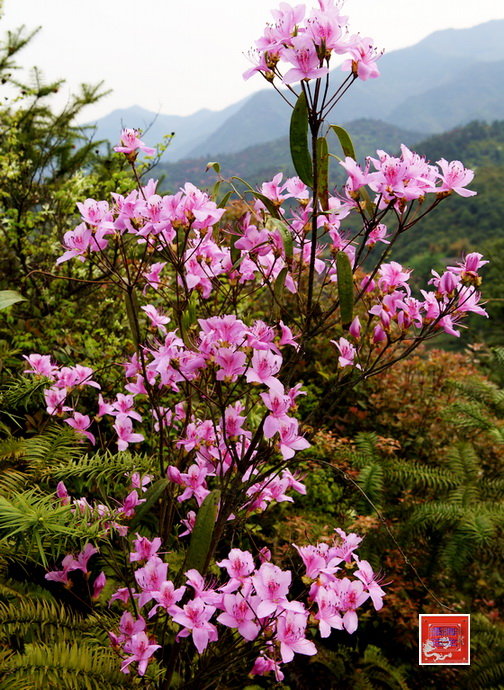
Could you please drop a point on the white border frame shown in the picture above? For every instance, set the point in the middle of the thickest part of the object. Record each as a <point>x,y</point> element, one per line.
<point>441,663</point>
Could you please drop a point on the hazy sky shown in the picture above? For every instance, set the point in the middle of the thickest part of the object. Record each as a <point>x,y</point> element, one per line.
<point>177,56</point>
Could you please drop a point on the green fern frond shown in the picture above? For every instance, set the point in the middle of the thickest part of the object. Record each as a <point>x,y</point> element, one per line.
<point>464,495</point>
<point>370,480</point>
<point>41,523</point>
<point>435,514</point>
<point>69,667</point>
<point>463,462</point>
<point>490,677</point>
<point>413,474</point>
<point>21,392</point>
<point>381,670</point>
<point>104,468</point>
<point>14,590</point>
<point>366,445</point>
<point>37,621</point>
<point>469,416</point>
<point>12,448</point>
<point>55,445</point>
<point>11,481</point>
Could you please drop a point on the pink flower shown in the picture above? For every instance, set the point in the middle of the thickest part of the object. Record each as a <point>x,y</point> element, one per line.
<point>231,363</point>
<point>350,596</point>
<point>347,353</point>
<point>157,320</point>
<point>98,586</point>
<point>290,441</point>
<point>355,328</point>
<point>291,629</point>
<point>195,617</point>
<point>55,399</point>
<point>81,422</point>
<point>62,575</point>
<point>328,612</point>
<point>167,597</point>
<point>377,234</point>
<point>140,649</point>
<point>139,481</point>
<point>152,276</point>
<point>349,543</point>
<point>130,143</point>
<point>454,178</point>
<point>313,560</point>
<point>303,55</point>
<point>239,564</point>
<point>366,575</point>
<point>124,430</point>
<point>264,664</point>
<point>62,494</point>
<point>357,177</point>
<point>130,503</point>
<point>81,562</point>
<point>123,406</point>
<point>76,242</point>
<point>363,60</point>
<point>272,584</point>
<point>188,523</point>
<point>239,613</point>
<point>144,549</point>
<point>40,365</point>
<point>263,367</point>
<point>150,578</point>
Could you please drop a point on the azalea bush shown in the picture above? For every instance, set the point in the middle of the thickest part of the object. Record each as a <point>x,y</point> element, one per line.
<point>225,295</point>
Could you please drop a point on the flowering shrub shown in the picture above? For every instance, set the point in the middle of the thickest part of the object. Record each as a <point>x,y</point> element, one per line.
<point>209,387</point>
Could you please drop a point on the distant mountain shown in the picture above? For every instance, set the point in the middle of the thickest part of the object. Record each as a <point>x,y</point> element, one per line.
<point>475,94</point>
<point>189,130</point>
<point>260,162</point>
<point>439,67</point>
<point>445,80</point>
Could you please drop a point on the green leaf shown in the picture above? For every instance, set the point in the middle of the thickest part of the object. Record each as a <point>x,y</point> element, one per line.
<point>151,498</point>
<point>344,140</point>
<point>201,537</point>
<point>132,312</point>
<point>345,288</point>
<point>268,203</point>
<point>223,202</point>
<point>265,200</point>
<point>278,292</point>
<point>10,297</point>
<point>286,236</point>
<point>323,172</point>
<point>299,141</point>
<point>348,150</point>
<point>214,165</point>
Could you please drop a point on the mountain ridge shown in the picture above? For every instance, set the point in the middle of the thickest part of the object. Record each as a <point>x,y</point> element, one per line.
<point>411,93</point>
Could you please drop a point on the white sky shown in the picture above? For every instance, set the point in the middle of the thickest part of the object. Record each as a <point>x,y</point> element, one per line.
<point>177,56</point>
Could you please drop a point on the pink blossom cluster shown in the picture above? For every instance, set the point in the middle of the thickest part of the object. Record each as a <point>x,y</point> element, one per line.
<point>69,380</point>
<point>161,221</point>
<point>233,353</point>
<point>72,563</point>
<point>144,214</point>
<point>307,42</point>
<point>395,313</point>
<point>109,518</point>
<point>395,308</point>
<point>254,600</point>
<point>399,180</point>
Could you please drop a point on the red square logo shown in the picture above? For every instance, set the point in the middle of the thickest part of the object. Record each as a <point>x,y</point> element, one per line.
<point>444,639</point>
